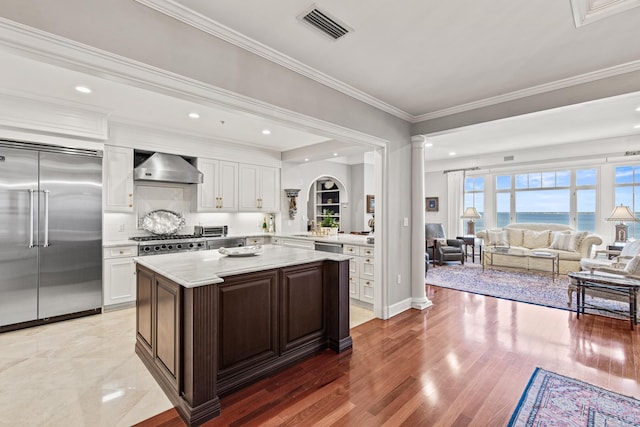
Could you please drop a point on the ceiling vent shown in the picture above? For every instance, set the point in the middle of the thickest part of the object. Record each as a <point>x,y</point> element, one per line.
<point>324,22</point>
<point>631,153</point>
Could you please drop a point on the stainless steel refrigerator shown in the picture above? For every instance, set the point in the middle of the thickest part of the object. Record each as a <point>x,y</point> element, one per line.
<point>50,233</point>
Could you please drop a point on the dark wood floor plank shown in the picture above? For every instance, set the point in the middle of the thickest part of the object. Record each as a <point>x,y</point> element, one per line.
<point>464,361</point>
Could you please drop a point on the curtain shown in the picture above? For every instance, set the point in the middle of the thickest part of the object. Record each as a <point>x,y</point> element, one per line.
<point>455,188</point>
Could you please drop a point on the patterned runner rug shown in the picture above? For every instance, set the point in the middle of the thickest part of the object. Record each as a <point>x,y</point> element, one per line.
<point>554,400</point>
<point>515,285</point>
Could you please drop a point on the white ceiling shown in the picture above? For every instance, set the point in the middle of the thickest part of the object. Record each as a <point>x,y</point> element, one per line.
<point>424,56</point>
<point>419,60</point>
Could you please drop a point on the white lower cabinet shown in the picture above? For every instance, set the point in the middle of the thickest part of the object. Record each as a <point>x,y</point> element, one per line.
<point>361,272</point>
<point>119,284</point>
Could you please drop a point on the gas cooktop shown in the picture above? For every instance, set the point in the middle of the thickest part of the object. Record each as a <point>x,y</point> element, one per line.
<point>164,237</point>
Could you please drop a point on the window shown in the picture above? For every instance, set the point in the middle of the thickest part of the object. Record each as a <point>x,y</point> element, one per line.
<point>628,193</point>
<point>474,197</point>
<point>559,197</point>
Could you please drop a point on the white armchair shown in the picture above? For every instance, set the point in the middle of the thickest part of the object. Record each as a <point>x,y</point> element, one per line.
<point>601,259</point>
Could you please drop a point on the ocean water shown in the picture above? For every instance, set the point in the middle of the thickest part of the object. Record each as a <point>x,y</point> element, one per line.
<point>586,220</point>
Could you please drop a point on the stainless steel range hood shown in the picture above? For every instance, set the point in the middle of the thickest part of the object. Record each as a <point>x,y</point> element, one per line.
<point>167,168</point>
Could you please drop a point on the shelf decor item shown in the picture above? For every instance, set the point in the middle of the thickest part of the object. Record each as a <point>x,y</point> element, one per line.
<point>329,224</point>
<point>292,194</point>
<point>622,213</point>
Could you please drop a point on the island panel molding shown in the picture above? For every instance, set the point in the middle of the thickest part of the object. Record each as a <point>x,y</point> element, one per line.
<point>206,341</point>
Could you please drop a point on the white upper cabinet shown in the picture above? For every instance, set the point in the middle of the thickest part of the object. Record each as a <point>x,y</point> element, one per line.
<point>259,188</point>
<point>118,179</point>
<point>219,189</point>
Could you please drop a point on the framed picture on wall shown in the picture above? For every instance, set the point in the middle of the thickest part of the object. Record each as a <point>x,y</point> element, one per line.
<point>371,203</point>
<point>431,204</point>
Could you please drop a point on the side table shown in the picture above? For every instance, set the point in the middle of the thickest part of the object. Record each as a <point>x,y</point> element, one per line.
<point>471,241</point>
<point>606,284</point>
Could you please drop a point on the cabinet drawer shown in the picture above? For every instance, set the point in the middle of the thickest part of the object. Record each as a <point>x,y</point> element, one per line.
<point>350,250</point>
<point>365,269</point>
<point>366,290</point>
<point>120,251</point>
<point>366,251</point>
<point>255,241</point>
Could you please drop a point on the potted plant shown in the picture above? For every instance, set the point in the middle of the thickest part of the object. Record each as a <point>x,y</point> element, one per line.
<point>329,224</point>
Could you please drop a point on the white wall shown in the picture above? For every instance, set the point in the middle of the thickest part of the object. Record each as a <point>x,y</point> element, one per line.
<point>435,185</point>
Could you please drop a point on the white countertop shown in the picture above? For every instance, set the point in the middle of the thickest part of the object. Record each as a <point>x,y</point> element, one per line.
<point>192,269</point>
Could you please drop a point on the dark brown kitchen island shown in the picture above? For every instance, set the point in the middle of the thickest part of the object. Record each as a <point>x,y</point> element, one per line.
<point>208,324</point>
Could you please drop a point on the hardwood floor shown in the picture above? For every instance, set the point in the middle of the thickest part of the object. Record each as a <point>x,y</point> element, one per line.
<point>464,361</point>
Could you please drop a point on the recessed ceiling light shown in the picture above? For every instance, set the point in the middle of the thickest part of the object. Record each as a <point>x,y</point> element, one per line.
<point>266,132</point>
<point>194,115</point>
<point>636,127</point>
<point>335,154</point>
<point>638,109</point>
<point>83,89</point>
<point>306,160</point>
<point>428,144</point>
<point>453,153</point>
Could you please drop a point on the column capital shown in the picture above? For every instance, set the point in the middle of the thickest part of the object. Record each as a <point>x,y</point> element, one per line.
<point>418,140</point>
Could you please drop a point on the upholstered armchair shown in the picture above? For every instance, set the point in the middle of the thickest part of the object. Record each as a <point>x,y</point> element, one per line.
<point>441,249</point>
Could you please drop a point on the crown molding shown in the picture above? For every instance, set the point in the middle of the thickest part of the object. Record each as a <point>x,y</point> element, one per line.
<point>203,23</point>
<point>39,45</point>
<point>589,11</point>
<point>535,90</point>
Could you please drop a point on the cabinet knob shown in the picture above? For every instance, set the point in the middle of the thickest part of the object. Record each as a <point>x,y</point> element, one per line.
<point>130,205</point>
<point>130,194</point>
<point>121,252</point>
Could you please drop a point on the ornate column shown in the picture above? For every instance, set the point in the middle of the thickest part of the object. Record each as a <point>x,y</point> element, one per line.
<point>419,298</point>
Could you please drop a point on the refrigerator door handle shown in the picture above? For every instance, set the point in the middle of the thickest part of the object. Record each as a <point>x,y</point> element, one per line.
<point>31,209</point>
<point>46,218</point>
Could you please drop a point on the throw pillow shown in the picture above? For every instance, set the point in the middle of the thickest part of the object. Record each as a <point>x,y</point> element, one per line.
<point>515,235</point>
<point>631,249</point>
<point>566,241</point>
<point>498,237</point>
<point>536,239</point>
<point>633,266</point>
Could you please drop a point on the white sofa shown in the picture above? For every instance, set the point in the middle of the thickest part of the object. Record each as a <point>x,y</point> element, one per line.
<point>570,245</point>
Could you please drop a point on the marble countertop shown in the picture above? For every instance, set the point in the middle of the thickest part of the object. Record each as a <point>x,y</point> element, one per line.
<point>345,239</point>
<point>192,269</point>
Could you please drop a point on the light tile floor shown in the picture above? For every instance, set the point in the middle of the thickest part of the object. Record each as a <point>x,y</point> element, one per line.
<point>83,372</point>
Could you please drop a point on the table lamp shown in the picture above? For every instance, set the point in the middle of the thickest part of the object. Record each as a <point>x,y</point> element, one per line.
<point>471,214</point>
<point>621,213</point>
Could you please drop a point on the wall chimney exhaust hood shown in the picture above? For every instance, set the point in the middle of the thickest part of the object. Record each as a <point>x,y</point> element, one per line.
<point>163,167</point>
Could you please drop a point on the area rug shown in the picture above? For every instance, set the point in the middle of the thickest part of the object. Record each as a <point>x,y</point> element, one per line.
<point>522,286</point>
<point>555,400</point>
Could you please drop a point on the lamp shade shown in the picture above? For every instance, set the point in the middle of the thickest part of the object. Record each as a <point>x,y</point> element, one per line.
<point>622,213</point>
<point>470,213</point>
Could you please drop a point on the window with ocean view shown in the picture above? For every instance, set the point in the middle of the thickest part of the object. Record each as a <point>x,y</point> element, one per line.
<point>628,193</point>
<point>474,198</point>
<point>548,197</point>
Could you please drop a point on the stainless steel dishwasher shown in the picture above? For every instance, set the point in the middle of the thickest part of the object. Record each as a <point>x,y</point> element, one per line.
<point>328,247</point>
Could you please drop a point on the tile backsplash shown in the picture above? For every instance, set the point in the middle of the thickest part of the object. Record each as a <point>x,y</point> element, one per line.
<point>121,226</point>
